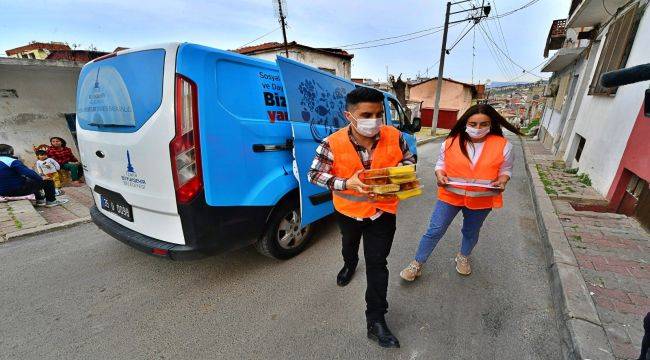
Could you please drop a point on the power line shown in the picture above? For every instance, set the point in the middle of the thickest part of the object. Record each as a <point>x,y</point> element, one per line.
<point>393,42</point>
<point>461,38</point>
<point>254,40</point>
<point>507,64</point>
<point>473,51</point>
<point>528,71</point>
<point>388,38</point>
<point>496,59</point>
<point>505,43</point>
<point>507,57</point>
<point>530,3</point>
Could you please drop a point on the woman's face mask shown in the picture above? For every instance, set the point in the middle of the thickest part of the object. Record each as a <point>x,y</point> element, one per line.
<point>367,127</point>
<point>475,133</point>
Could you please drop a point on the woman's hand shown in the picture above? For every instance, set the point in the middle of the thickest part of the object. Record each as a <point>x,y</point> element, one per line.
<point>441,178</point>
<point>354,183</point>
<point>500,182</point>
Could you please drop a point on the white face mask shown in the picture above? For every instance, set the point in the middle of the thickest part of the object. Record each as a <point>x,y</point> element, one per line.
<point>367,127</point>
<point>477,133</point>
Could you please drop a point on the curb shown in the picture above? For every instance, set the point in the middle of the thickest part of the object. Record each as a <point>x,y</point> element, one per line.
<point>583,336</point>
<point>428,140</point>
<point>44,228</point>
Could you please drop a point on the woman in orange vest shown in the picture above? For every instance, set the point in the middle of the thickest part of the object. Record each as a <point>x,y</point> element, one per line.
<point>473,168</point>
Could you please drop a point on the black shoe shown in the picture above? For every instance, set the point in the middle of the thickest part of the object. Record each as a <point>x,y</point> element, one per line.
<point>379,332</point>
<point>345,275</point>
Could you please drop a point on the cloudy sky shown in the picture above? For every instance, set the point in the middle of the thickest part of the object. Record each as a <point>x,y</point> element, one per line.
<point>229,24</point>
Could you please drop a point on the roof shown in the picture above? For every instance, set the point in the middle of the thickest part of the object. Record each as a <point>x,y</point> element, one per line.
<point>446,79</point>
<point>38,45</point>
<point>75,55</point>
<point>271,46</point>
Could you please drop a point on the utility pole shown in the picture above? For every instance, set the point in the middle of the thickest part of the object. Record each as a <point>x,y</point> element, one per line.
<point>283,23</point>
<point>485,11</point>
<point>441,67</point>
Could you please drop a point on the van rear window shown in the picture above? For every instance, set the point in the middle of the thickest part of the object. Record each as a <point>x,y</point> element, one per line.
<point>121,93</point>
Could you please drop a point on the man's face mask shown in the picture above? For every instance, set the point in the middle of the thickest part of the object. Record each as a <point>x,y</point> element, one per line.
<point>367,127</point>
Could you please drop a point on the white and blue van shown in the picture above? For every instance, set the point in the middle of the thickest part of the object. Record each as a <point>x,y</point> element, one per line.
<point>190,151</point>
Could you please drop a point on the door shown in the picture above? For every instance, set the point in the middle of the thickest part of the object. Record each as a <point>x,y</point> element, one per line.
<point>315,103</point>
<point>397,118</point>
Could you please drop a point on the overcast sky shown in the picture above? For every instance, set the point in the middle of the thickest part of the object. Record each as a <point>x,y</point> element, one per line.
<point>229,24</point>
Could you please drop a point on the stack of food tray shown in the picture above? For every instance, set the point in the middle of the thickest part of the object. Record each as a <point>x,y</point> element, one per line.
<point>399,182</point>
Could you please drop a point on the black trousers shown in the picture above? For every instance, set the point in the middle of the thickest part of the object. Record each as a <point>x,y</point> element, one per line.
<point>34,187</point>
<point>377,240</point>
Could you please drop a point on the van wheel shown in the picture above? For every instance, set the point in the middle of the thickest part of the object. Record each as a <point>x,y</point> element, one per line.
<point>284,237</point>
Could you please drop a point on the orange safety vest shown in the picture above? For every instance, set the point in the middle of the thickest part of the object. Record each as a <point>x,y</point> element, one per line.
<point>346,162</point>
<point>458,168</point>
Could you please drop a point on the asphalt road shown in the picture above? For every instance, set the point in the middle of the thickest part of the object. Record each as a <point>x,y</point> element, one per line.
<point>79,294</point>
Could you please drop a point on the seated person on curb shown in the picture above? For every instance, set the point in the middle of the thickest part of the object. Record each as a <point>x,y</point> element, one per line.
<point>61,153</point>
<point>48,167</point>
<point>16,179</point>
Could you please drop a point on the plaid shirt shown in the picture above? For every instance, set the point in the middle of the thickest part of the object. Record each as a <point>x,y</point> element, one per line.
<point>62,155</point>
<point>320,172</point>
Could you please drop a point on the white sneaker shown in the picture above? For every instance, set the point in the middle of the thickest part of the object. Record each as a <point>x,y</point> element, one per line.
<point>56,202</point>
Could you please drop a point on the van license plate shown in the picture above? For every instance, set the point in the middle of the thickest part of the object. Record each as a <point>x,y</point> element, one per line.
<point>117,206</point>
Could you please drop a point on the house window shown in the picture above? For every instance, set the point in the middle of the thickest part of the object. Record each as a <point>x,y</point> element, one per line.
<point>618,42</point>
<point>561,92</point>
<point>635,186</point>
<point>581,146</point>
<point>331,71</point>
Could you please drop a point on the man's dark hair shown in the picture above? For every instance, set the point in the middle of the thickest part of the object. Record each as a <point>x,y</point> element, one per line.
<point>41,152</point>
<point>363,94</point>
<point>6,150</point>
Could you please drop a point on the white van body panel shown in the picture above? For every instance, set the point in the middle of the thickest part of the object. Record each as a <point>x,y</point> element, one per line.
<point>155,212</point>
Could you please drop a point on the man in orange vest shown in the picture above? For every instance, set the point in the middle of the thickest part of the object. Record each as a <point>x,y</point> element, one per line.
<point>364,144</point>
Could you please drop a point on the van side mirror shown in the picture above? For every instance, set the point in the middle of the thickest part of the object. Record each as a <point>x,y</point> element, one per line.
<point>416,124</point>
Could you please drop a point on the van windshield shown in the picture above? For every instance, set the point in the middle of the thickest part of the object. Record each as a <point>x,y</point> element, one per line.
<point>121,93</point>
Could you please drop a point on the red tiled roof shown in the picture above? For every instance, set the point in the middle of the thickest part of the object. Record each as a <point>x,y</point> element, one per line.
<point>446,79</point>
<point>75,55</point>
<point>36,46</point>
<point>250,50</point>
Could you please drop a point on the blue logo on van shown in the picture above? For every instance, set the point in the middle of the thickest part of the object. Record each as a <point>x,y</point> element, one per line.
<point>129,167</point>
<point>130,177</point>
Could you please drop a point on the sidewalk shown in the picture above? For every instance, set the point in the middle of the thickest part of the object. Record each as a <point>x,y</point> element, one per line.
<point>19,218</point>
<point>611,252</point>
<point>424,135</point>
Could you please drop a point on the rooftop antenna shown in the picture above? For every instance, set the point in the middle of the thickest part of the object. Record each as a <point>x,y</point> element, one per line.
<point>280,7</point>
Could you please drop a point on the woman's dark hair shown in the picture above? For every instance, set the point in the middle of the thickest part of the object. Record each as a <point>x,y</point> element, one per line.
<point>6,150</point>
<point>458,131</point>
<point>63,142</point>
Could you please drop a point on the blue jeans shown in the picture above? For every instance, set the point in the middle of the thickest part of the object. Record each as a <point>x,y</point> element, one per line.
<point>443,214</point>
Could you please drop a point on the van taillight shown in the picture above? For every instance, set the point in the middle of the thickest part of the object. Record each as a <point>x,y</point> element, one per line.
<point>184,149</point>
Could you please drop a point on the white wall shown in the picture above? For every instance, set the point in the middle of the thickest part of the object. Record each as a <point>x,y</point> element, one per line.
<point>606,122</point>
<point>46,90</point>
<point>316,59</point>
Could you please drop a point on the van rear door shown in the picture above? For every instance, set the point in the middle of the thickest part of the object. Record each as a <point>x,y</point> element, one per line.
<point>125,123</point>
<point>315,102</point>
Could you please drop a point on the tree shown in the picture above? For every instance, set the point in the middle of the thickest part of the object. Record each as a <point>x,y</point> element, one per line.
<point>399,86</point>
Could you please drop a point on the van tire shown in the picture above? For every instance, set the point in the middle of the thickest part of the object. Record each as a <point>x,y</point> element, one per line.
<point>269,244</point>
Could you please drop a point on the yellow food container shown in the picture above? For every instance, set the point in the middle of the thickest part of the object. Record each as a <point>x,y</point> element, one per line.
<point>402,195</point>
<point>401,170</point>
<point>402,179</point>
<point>383,189</point>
